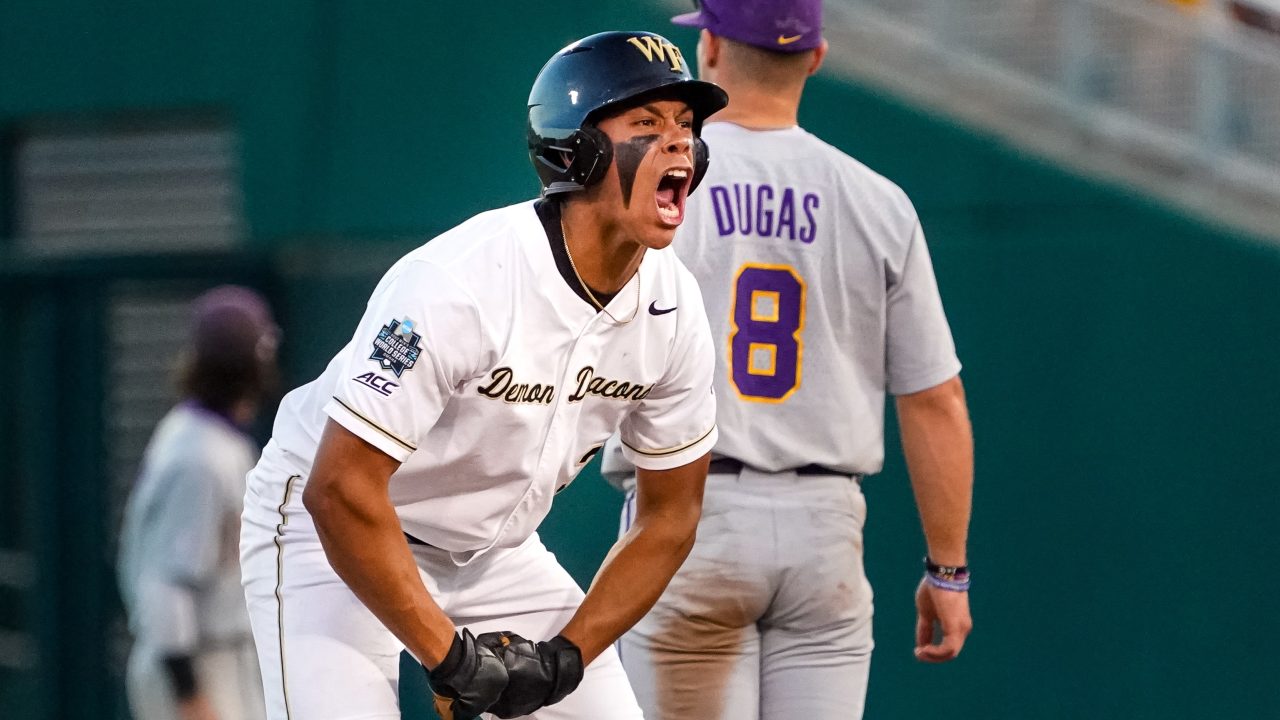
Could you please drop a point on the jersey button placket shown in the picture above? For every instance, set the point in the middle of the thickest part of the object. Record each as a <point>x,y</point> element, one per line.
<point>564,421</point>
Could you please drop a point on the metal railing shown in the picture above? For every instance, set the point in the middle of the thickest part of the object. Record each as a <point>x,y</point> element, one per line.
<point>1193,94</point>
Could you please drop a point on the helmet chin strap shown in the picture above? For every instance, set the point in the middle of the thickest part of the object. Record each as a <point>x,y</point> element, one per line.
<point>629,154</point>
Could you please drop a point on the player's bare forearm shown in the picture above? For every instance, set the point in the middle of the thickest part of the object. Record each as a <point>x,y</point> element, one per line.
<point>937,440</point>
<point>638,568</point>
<point>358,528</point>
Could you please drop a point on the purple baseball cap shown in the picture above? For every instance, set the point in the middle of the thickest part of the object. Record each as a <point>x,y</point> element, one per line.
<point>232,322</point>
<point>779,25</point>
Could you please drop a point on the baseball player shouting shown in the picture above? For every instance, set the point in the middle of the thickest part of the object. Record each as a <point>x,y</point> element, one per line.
<point>397,504</point>
<point>821,297</point>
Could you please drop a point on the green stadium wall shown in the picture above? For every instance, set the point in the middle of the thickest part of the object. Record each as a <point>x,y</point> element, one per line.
<point>1120,357</point>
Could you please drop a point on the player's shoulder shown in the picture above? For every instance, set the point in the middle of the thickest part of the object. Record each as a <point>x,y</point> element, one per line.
<point>194,441</point>
<point>684,278</point>
<point>469,253</point>
<point>491,232</point>
<point>859,179</point>
<point>217,431</point>
<point>669,269</point>
<point>796,152</point>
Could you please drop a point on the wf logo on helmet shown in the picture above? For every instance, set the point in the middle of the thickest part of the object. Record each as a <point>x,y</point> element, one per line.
<point>659,49</point>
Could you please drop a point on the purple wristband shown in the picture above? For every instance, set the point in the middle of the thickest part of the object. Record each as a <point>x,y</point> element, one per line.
<point>957,585</point>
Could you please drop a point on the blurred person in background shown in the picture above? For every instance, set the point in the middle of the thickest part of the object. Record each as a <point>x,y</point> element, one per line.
<point>193,656</point>
<point>822,300</point>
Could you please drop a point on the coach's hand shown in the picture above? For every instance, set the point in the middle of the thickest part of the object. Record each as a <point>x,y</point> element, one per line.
<point>538,675</point>
<point>949,611</point>
<point>468,680</point>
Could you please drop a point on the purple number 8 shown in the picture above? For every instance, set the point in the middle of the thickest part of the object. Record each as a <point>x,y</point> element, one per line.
<point>765,347</point>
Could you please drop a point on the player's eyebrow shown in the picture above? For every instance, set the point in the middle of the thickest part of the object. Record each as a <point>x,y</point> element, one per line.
<point>653,110</point>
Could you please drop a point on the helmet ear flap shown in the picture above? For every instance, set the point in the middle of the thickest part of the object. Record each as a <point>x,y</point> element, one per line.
<point>592,153</point>
<point>701,160</point>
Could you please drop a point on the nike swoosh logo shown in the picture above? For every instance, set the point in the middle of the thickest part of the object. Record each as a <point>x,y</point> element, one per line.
<point>653,309</point>
<point>784,40</point>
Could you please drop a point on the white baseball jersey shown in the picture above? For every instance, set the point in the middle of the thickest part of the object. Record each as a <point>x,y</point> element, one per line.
<point>820,294</point>
<point>478,367</point>
<point>179,553</point>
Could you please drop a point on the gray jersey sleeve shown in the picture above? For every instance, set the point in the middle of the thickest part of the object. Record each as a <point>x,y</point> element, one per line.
<point>193,510</point>
<point>615,468</point>
<point>920,352</point>
<point>187,544</point>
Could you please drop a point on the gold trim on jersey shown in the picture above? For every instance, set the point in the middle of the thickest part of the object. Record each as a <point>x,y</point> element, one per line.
<point>734,330</point>
<point>773,296</point>
<point>670,451</point>
<point>390,435</point>
<point>771,367</point>
<point>278,539</point>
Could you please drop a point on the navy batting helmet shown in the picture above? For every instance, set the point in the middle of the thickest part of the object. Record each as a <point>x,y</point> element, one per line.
<point>593,77</point>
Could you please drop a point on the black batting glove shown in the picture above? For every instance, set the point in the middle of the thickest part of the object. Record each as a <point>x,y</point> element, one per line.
<point>527,685</point>
<point>468,681</point>
<point>560,653</point>
<point>538,675</point>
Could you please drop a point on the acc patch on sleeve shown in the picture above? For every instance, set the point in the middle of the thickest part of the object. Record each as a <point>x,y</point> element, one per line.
<point>397,346</point>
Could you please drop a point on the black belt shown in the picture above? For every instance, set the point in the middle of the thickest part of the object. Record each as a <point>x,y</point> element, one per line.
<point>730,466</point>
<point>415,541</point>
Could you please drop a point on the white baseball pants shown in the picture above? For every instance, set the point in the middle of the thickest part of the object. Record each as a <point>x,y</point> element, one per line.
<point>324,655</point>
<point>770,617</point>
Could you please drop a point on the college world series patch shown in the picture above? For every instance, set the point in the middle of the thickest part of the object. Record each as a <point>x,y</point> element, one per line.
<point>397,346</point>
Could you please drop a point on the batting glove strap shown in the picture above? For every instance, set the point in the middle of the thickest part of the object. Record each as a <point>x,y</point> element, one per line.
<point>560,652</point>
<point>468,681</point>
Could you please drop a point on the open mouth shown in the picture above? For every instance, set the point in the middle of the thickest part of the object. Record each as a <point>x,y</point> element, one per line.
<point>673,188</point>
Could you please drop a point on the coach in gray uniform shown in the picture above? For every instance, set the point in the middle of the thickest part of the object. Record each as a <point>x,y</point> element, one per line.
<point>193,656</point>
<point>821,298</point>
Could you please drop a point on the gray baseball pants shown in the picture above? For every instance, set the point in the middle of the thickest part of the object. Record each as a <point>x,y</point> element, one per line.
<point>770,616</point>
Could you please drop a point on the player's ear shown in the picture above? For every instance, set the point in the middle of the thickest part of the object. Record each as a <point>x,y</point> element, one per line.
<point>708,51</point>
<point>819,54</point>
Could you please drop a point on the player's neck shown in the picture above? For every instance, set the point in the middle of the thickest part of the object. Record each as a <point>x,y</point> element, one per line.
<point>243,412</point>
<point>756,109</point>
<point>604,255</point>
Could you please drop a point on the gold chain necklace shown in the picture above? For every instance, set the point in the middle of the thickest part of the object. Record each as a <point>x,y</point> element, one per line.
<point>587,289</point>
